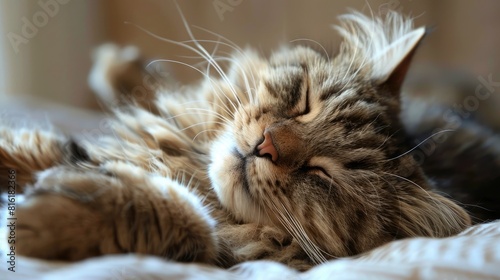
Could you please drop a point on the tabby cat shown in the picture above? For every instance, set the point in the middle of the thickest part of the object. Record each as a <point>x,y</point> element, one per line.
<point>297,158</point>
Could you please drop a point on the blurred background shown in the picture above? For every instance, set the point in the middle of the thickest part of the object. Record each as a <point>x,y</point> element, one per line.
<point>46,45</point>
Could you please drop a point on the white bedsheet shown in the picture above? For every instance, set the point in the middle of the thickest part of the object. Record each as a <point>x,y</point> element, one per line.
<point>473,254</point>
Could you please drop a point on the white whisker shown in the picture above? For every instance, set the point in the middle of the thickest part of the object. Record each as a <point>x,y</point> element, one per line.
<point>238,50</point>
<point>409,181</point>
<point>209,59</point>
<point>209,78</point>
<point>203,52</point>
<point>205,131</point>
<point>409,151</point>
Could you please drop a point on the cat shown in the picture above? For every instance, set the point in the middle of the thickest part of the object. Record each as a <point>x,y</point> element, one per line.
<point>296,158</point>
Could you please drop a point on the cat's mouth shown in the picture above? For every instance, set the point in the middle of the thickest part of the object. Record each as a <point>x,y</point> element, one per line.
<point>242,168</point>
<point>235,179</point>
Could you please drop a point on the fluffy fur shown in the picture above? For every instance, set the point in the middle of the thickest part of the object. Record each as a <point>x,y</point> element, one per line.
<point>184,176</point>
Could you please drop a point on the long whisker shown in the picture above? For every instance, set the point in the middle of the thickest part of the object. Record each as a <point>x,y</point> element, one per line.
<point>224,110</point>
<point>211,113</point>
<point>204,53</point>
<point>206,76</point>
<point>409,151</point>
<point>192,49</point>
<point>202,123</point>
<point>295,229</point>
<point>409,181</point>
<point>205,131</point>
<point>214,114</point>
<point>236,62</point>
<point>214,51</point>
<point>237,49</point>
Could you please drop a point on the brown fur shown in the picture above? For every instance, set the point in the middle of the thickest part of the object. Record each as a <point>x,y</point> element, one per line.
<point>184,180</point>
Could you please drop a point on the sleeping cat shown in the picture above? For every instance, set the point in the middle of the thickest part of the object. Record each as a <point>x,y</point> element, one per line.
<point>297,158</point>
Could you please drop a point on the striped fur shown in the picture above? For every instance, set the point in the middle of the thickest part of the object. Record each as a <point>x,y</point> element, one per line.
<point>181,177</point>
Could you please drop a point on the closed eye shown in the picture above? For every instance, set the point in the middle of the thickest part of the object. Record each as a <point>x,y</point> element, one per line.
<point>316,170</point>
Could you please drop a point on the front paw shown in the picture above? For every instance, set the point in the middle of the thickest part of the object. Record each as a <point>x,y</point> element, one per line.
<point>52,226</point>
<point>251,242</point>
<point>73,214</point>
<point>61,217</point>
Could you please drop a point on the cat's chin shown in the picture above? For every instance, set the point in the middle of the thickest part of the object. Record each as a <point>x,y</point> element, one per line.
<point>227,172</point>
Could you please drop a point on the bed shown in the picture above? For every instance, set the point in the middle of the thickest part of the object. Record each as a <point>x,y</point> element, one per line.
<point>473,254</point>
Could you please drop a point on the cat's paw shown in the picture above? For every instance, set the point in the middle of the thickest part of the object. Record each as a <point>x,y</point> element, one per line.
<point>73,214</point>
<point>52,226</point>
<point>24,152</point>
<point>62,217</point>
<point>265,242</point>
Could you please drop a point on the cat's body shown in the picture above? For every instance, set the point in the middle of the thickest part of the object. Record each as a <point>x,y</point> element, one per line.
<point>296,158</point>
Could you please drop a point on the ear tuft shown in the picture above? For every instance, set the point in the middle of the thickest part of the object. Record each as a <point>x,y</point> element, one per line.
<point>383,44</point>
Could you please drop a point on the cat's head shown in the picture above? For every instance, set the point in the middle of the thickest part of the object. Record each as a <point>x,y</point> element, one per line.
<point>315,145</point>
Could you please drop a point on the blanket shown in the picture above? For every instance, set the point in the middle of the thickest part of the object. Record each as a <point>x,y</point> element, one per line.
<point>472,254</point>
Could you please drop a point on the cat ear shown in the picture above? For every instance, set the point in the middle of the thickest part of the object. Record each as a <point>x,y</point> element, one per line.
<point>397,59</point>
<point>384,46</point>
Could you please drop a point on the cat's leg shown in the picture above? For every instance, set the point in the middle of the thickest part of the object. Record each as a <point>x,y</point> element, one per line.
<point>24,152</point>
<point>71,214</point>
<point>120,77</point>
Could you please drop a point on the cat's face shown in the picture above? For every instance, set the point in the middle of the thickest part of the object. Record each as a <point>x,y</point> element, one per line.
<point>320,173</point>
<point>318,150</point>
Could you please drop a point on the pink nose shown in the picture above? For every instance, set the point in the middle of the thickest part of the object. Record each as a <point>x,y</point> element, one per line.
<point>267,147</point>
